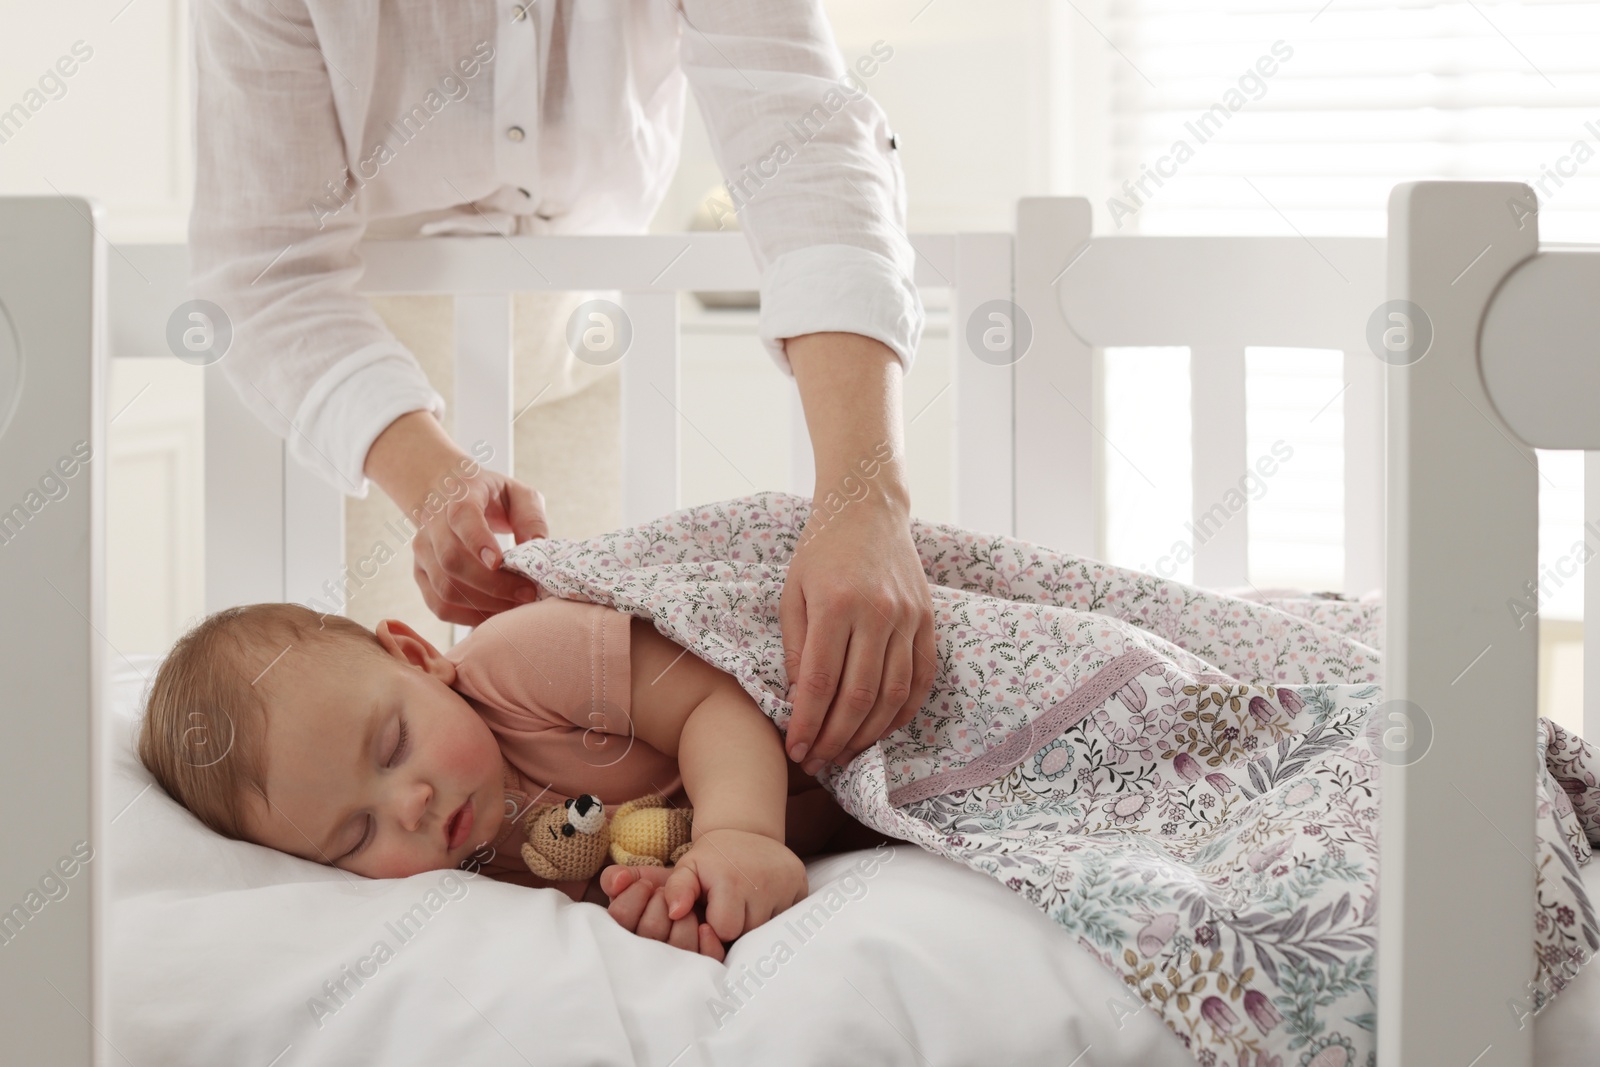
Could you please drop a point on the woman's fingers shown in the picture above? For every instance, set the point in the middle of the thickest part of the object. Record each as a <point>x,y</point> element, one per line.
<point>468,551</point>
<point>923,668</point>
<point>523,510</point>
<point>445,597</point>
<point>792,627</point>
<point>891,698</point>
<point>458,559</point>
<point>859,687</point>
<point>813,684</point>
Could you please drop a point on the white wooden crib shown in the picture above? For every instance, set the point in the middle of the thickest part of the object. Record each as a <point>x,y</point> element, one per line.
<point>1457,523</point>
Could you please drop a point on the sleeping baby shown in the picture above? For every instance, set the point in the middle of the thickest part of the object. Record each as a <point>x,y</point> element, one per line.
<point>378,754</point>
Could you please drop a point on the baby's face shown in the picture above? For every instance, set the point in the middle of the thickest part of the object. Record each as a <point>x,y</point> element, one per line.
<point>375,765</point>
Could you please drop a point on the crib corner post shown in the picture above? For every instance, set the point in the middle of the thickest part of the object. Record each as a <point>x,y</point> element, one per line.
<point>1455,918</point>
<point>54,658</point>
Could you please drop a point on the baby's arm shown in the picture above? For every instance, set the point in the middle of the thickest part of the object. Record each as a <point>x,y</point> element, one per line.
<point>731,758</point>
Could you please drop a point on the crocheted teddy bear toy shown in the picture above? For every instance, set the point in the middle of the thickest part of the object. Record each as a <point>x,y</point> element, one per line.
<point>570,841</point>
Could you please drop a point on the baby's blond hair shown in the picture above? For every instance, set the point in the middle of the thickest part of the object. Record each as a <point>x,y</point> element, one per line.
<point>205,720</point>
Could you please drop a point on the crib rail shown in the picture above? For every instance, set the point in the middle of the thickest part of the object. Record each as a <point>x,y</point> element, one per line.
<point>1032,422</point>
<point>259,500</point>
<point>1541,369</point>
<point>1541,349</point>
<point>1216,295</point>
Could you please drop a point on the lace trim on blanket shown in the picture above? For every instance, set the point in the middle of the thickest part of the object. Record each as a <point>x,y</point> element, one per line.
<point>1020,744</point>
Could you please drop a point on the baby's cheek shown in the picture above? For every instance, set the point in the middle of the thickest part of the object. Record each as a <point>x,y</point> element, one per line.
<point>467,748</point>
<point>391,857</point>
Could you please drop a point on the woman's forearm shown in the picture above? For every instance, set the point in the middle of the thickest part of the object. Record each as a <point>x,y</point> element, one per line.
<point>731,760</point>
<point>410,456</point>
<point>850,389</point>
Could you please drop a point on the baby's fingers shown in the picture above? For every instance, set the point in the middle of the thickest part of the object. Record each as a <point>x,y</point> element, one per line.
<point>710,944</point>
<point>618,877</point>
<point>655,924</point>
<point>685,934</point>
<point>628,905</point>
<point>725,912</point>
<point>681,891</point>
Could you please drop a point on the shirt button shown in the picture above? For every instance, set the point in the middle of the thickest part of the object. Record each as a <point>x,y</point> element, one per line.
<point>524,192</point>
<point>519,13</point>
<point>894,141</point>
<point>514,133</point>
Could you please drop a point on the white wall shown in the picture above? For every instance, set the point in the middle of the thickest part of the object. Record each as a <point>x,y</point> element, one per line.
<point>118,127</point>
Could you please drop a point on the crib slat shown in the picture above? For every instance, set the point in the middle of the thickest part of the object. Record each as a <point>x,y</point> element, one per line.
<point>1363,473</point>
<point>244,501</point>
<point>1226,291</point>
<point>484,380</point>
<point>650,407</point>
<point>313,540</point>
<point>1221,515</point>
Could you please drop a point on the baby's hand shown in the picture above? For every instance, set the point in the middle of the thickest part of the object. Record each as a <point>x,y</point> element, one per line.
<point>746,879</point>
<point>639,905</point>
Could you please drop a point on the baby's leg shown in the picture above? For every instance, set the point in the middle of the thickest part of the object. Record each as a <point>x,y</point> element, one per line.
<point>815,823</point>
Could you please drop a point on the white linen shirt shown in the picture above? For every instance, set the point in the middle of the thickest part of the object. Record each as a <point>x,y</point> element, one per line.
<point>319,122</point>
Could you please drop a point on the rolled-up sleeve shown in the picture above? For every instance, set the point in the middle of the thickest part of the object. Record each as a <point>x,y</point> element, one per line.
<point>270,245</point>
<point>814,181</point>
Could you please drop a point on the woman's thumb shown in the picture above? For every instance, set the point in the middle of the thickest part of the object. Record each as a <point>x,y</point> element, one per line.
<point>525,511</point>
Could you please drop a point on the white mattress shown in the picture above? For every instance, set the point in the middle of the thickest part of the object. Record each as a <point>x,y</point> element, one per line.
<point>217,948</point>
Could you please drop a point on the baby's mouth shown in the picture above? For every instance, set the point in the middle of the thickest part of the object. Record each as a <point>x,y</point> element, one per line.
<point>458,826</point>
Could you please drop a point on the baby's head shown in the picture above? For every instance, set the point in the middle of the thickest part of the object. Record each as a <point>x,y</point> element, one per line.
<point>315,736</point>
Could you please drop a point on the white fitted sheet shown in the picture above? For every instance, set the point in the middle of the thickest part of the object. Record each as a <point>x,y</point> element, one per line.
<point>216,948</point>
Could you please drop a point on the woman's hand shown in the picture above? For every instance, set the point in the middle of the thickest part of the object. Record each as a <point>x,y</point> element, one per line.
<point>457,505</point>
<point>857,621</point>
<point>856,612</point>
<point>639,905</point>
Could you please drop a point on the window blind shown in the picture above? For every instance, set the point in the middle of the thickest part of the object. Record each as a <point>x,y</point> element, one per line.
<point>1371,94</point>
<point>1277,117</point>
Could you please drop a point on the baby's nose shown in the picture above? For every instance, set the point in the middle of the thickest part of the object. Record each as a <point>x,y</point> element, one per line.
<point>417,806</point>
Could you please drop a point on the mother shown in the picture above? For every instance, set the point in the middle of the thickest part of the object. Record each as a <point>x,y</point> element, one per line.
<point>318,119</point>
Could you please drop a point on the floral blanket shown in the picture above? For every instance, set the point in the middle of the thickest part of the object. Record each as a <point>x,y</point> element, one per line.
<point>1185,780</point>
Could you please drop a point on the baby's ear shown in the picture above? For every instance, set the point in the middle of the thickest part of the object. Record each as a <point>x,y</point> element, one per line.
<point>410,647</point>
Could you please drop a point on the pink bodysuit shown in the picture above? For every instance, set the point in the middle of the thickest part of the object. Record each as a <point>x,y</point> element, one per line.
<point>552,680</point>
